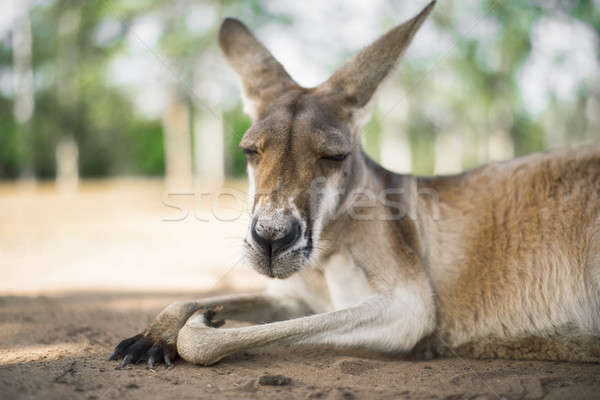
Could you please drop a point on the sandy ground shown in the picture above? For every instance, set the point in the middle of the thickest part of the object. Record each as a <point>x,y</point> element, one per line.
<point>122,234</point>
<point>55,346</point>
<point>78,274</point>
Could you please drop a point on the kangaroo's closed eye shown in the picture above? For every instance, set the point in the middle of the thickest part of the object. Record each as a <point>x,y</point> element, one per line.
<point>335,157</point>
<point>249,152</point>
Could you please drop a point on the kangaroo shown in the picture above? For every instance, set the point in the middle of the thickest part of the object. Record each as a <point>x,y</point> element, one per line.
<point>499,262</point>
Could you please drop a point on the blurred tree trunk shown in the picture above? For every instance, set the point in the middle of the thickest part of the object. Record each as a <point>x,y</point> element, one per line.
<point>24,96</point>
<point>556,136</point>
<point>592,109</point>
<point>501,145</point>
<point>66,152</point>
<point>395,142</point>
<point>178,149</point>
<point>208,144</point>
<point>209,157</point>
<point>448,152</point>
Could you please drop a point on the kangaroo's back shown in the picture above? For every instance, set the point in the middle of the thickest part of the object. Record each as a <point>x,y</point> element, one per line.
<point>516,248</point>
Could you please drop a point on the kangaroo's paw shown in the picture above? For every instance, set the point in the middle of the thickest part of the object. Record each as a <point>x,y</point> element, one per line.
<point>158,343</point>
<point>144,347</point>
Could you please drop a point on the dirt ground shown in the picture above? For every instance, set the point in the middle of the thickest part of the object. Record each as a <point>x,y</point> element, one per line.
<point>54,347</point>
<point>78,274</point>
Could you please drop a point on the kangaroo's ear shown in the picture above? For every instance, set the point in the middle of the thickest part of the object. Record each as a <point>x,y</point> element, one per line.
<point>356,82</point>
<point>263,78</point>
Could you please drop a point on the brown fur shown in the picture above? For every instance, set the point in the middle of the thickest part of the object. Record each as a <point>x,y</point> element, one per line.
<point>512,250</point>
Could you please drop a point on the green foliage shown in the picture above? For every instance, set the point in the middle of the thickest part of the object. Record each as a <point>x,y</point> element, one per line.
<point>371,137</point>
<point>527,135</point>
<point>235,123</point>
<point>10,151</point>
<point>422,133</point>
<point>74,97</point>
<point>146,148</point>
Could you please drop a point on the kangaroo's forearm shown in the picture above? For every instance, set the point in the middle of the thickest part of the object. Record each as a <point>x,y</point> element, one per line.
<point>255,308</point>
<point>383,323</point>
<point>201,345</point>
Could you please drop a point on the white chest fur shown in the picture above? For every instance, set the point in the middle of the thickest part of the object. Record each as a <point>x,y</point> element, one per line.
<point>338,284</point>
<point>347,283</point>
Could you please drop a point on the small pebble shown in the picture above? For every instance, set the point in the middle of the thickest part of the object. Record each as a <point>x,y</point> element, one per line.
<point>274,380</point>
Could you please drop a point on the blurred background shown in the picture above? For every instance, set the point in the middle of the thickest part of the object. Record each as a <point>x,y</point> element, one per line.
<point>119,120</point>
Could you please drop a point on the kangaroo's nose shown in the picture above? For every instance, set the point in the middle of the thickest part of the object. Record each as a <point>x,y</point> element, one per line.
<point>274,241</point>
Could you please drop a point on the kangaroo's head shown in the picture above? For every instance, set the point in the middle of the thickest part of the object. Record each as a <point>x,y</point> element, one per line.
<point>303,151</point>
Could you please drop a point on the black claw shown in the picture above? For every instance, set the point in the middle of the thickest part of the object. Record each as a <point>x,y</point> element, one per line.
<point>126,360</point>
<point>142,347</point>
<point>155,354</point>
<point>121,347</point>
<point>218,324</point>
<point>113,356</point>
<point>139,349</point>
<point>208,316</point>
